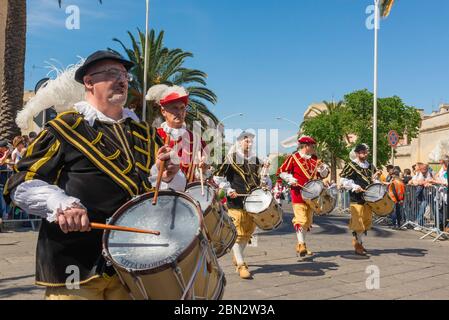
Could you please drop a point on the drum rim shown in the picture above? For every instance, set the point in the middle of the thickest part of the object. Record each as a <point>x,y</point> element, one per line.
<point>370,185</point>
<point>149,195</point>
<point>244,201</point>
<point>196,183</point>
<point>313,180</point>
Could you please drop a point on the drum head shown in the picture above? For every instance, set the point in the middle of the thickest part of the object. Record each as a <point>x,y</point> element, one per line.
<point>175,216</point>
<point>205,200</point>
<point>312,189</point>
<point>333,192</point>
<point>374,192</point>
<point>258,201</point>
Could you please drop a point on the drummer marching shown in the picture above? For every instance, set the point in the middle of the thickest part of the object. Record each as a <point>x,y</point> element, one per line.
<point>278,191</point>
<point>173,102</point>
<point>298,169</point>
<point>356,176</point>
<point>239,175</point>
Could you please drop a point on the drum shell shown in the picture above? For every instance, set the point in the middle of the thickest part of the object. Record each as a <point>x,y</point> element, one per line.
<point>220,228</point>
<point>268,219</point>
<point>382,207</point>
<point>323,203</point>
<point>162,278</point>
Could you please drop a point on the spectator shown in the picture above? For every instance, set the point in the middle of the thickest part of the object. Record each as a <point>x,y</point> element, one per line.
<point>422,179</point>
<point>441,176</point>
<point>4,154</point>
<point>407,176</point>
<point>414,169</point>
<point>390,170</point>
<point>396,191</point>
<point>19,147</point>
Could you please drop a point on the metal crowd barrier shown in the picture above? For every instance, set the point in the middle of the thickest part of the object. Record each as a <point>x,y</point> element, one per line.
<point>343,202</point>
<point>425,209</point>
<point>13,215</point>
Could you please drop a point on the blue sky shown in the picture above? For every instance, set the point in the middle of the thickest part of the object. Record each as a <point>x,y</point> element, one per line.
<point>265,58</point>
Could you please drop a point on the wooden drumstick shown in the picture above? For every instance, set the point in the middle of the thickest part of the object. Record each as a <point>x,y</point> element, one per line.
<point>299,185</point>
<point>161,171</point>
<point>102,226</point>
<point>201,174</point>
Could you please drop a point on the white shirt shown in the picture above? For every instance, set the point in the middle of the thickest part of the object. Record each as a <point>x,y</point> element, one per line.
<point>39,198</point>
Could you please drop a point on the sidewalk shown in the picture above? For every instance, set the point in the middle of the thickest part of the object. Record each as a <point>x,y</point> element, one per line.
<point>409,268</point>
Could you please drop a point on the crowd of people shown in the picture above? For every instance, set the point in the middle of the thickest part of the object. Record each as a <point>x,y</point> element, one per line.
<point>11,152</point>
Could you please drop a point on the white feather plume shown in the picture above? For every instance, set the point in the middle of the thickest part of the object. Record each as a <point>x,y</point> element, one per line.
<point>440,151</point>
<point>61,93</point>
<point>157,92</point>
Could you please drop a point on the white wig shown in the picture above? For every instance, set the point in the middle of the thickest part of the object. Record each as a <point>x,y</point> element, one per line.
<point>61,93</point>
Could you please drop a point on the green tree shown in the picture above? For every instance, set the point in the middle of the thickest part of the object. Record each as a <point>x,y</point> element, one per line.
<point>165,66</point>
<point>330,129</point>
<point>393,114</point>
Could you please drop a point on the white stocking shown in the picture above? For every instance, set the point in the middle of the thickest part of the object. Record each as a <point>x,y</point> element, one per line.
<point>238,249</point>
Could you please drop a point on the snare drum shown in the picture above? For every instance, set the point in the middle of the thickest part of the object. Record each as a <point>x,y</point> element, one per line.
<point>177,264</point>
<point>320,199</point>
<point>265,211</point>
<point>377,197</point>
<point>221,229</point>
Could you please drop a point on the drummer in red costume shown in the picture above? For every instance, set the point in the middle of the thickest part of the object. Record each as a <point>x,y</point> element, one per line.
<point>173,101</point>
<point>298,169</point>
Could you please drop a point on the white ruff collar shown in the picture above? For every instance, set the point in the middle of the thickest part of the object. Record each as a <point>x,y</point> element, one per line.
<point>305,156</point>
<point>91,113</point>
<point>174,132</point>
<point>364,165</point>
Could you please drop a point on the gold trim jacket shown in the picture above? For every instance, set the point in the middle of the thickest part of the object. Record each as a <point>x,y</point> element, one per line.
<point>103,165</point>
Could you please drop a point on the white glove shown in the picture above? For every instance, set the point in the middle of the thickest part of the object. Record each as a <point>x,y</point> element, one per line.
<point>230,190</point>
<point>287,177</point>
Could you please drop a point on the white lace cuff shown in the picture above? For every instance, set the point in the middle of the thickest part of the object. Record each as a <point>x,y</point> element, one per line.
<point>178,182</point>
<point>287,177</point>
<point>39,198</point>
<point>349,184</point>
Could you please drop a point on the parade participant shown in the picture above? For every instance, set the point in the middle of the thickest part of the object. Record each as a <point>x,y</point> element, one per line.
<point>81,168</point>
<point>239,174</point>
<point>298,169</point>
<point>278,191</point>
<point>355,177</point>
<point>173,102</point>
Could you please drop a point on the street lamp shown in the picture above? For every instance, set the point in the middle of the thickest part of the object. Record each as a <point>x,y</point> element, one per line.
<point>230,116</point>
<point>296,124</point>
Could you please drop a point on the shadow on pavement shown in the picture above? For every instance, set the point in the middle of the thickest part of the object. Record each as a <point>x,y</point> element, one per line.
<point>303,269</point>
<point>349,254</point>
<point>328,224</point>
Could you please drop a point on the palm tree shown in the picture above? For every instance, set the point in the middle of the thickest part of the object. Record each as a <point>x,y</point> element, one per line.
<point>12,65</point>
<point>13,23</point>
<point>165,66</point>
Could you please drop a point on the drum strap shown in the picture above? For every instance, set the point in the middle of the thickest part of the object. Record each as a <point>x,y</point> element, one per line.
<point>240,172</point>
<point>304,170</point>
<point>360,173</point>
<point>84,146</point>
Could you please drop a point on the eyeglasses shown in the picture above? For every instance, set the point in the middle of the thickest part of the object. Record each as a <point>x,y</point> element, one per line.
<point>115,74</point>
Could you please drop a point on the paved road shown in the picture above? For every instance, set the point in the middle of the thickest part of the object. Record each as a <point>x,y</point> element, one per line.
<point>409,268</point>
